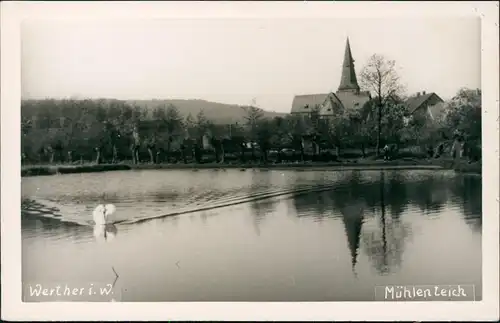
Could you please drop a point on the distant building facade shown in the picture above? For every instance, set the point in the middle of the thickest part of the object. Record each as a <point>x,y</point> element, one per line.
<point>348,95</point>
<point>428,105</point>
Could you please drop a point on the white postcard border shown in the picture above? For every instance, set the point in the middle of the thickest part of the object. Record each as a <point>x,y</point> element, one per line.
<point>12,13</point>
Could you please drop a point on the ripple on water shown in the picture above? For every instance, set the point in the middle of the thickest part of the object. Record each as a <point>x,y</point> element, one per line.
<point>148,194</point>
<point>359,228</point>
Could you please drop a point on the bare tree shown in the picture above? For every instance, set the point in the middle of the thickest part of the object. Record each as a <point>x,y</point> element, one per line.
<point>202,125</point>
<point>172,126</point>
<point>380,77</point>
<point>253,117</point>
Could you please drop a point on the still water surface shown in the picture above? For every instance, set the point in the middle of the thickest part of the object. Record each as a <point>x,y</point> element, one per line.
<point>230,235</point>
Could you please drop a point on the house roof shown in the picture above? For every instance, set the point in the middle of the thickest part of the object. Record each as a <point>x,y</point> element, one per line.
<point>310,100</point>
<point>438,110</point>
<point>415,102</point>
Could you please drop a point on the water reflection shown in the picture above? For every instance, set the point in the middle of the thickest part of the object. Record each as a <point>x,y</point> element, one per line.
<point>352,218</point>
<point>377,198</point>
<point>466,192</point>
<point>384,243</point>
<point>105,233</point>
<point>34,226</point>
<point>395,192</point>
<point>371,208</point>
<point>32,207</point>
<point>367,224</point>
<point>261,181</point>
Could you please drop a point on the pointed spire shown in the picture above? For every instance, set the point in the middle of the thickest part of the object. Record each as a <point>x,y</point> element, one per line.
<point>348,80</point>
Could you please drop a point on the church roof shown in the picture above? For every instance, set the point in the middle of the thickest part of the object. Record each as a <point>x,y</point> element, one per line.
<point>349,100</point>
<point>348,80</point>
<point>305,103</point>
<point>352,100</point>
<point>348,94</point>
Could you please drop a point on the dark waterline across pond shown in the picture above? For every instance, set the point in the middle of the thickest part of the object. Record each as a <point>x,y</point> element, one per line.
<point>256,235</point>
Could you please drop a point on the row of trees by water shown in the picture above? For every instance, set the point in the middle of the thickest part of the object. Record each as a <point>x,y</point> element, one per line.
<point>112,131</point>
<point>69,131</point>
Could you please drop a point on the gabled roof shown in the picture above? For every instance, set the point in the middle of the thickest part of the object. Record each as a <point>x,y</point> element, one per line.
<point>300,102</point>
<point>351,100</point>
<point>331,106</point>
<point>438,110</point>
<point>415,102</point>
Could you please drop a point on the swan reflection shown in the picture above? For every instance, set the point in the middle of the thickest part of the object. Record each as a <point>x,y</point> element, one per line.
<point>105,232</point>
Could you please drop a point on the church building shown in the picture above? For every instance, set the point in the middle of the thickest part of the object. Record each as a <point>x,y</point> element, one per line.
<point>348,95</point>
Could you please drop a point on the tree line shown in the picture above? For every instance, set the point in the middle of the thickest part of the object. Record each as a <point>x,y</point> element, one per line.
<point>112,131</point>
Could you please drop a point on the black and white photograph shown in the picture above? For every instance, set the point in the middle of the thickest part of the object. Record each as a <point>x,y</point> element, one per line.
<point>338,158</point>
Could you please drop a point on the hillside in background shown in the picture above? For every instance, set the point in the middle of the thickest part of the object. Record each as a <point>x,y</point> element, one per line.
<point>218,113</point>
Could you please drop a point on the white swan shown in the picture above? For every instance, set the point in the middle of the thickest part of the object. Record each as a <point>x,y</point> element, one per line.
<point>101,213</point>
<point>102,227</point>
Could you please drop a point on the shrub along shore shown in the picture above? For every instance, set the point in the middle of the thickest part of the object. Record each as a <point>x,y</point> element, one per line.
<point>461,166</point>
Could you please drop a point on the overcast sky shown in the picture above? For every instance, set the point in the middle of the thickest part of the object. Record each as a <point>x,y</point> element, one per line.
<point>235,60</point>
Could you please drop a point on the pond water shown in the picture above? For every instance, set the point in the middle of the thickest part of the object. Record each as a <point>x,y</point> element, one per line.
<point>254,235</point>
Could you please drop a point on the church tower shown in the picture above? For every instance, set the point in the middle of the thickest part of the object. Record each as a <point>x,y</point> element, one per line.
<point>348,95</point>
<point>348,81</point>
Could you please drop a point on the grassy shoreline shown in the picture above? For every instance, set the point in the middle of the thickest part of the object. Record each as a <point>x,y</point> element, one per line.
<point>460,166</point>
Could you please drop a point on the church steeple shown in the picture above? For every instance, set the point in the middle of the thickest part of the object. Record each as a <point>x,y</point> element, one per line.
<point>348,80</point>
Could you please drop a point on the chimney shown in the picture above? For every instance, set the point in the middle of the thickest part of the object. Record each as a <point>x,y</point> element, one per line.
<point>423,93</point>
